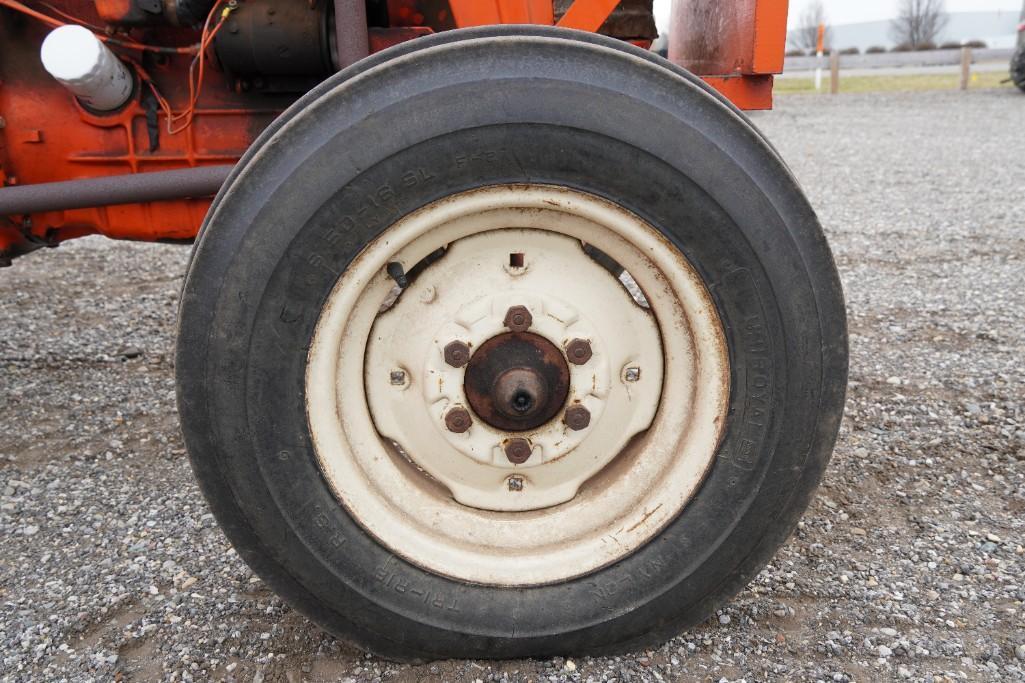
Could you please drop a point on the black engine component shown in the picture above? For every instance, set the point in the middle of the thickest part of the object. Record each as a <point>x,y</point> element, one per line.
<point>191,12</point>
<point>269,38</point>
<point>147,12</point>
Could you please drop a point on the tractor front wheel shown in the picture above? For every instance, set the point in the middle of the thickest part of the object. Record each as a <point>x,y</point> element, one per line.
<point>511,345</point>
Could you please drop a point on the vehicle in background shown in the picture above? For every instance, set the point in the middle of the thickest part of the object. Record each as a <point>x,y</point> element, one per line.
<point>1018,60</point>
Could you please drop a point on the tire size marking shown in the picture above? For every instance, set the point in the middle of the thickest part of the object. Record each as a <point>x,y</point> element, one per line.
<point>487,156</point>
<point>375,200</point>
<point>417,176</point>
<point>391,579</point>
<point>344,237</point>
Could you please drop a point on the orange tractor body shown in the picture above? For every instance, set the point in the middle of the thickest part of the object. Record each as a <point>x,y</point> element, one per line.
<point>201,97</point>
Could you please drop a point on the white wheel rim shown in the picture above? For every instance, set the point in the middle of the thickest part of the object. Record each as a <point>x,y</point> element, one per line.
<point>448,502</point>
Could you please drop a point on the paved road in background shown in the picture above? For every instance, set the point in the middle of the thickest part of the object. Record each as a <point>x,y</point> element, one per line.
<point>989,67</point>
<point>903,59</point>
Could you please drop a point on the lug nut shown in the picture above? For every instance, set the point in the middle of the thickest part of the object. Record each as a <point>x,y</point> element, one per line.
<point>457,354</point>
<point>458,420</point>
<point>578,351</point>
<point>515,483</point>
<point>518,319</point>
<point>398,377</point>
<point>632,374</point>
<point>518,450</point>
<point>577,417</point>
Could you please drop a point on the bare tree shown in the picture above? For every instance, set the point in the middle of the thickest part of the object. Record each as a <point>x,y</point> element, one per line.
<point>919,22</point>
<point>806,35</point>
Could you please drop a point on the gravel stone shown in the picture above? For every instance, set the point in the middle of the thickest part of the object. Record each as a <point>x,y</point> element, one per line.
<point>908,565</point>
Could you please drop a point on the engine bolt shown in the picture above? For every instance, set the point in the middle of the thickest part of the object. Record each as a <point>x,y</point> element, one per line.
<point>577,417</point>
<point>457,354</point>
<point>578,351</point>
<point>518,450</point>
<point>632,374</point>
<point>518,319</point>
<point>458,420</point>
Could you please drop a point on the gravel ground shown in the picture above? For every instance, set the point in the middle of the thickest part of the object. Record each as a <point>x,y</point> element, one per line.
<point>909,565</point>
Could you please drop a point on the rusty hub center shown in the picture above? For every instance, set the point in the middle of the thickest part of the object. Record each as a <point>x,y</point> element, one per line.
<point>517,381</point>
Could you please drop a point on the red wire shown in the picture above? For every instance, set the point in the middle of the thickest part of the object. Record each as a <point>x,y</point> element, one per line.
<point>196,85</point>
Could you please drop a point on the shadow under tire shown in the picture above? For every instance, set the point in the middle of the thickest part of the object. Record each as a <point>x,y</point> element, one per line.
<point>502,116</point>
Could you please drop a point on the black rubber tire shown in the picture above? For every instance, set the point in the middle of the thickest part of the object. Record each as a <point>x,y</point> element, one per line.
<point>449,37</point>
<point>540,109</point>
<point>1018,68</point>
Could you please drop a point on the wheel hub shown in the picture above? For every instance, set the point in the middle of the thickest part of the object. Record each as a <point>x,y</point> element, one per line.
<point>517,381</point>
<point>434,482</point>
<point>510,372</point>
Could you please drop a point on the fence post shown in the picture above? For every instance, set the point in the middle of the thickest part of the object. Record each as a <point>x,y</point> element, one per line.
<point>834,72</point>
<point>966,67</point>
<point>819,51</point>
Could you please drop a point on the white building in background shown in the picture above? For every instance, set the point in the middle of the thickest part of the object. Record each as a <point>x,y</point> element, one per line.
<point>998,28</point>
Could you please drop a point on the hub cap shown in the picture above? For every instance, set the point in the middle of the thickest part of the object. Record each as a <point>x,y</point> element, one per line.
<point>523,417</point>
<point>517,381</point>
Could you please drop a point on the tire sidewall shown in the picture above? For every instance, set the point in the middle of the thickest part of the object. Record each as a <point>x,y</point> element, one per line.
<point>259,280</point>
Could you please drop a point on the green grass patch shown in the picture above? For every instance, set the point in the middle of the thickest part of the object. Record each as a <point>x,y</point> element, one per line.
<point>910,83</point>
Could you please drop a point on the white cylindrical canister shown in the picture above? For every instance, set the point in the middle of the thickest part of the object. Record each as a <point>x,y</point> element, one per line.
<point>85,66</point>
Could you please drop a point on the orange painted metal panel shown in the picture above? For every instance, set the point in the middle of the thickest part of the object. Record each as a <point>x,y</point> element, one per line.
<point>770,36</point>
<point>483,12</point>
<point>746,91</point>
<point>585,15</point>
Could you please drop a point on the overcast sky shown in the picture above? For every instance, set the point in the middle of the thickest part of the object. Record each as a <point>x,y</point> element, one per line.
<point>847,12</point>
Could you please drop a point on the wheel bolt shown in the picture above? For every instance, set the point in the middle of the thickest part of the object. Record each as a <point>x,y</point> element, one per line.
<point>515,483</point>
<point>398,377</point>
<point>577,417</point>
<point>457,354</point>
<point>578,351</point>
<point>518,319</point>
<point>632,374</point>
<point>518,450</point>
<point>458,420</point>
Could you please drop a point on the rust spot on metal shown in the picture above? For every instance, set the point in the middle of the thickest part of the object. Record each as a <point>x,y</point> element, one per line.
<point>457,354</point>
<point>644,518</point>
<point>517,381</point>
<point>458,420</point>
<point>577,417</point>
<point>578,351</point>
<point>518,319</point>
<point>518,450</point>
